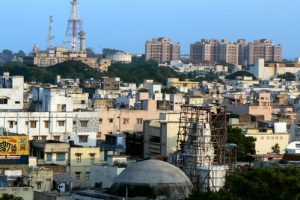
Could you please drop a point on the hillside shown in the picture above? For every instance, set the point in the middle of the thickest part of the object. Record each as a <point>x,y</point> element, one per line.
<point>135,72</point>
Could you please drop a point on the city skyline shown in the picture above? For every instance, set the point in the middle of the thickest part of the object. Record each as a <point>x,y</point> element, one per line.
<point>129,24</point>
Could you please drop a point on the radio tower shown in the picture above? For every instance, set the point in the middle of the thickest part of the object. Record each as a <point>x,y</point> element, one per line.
<point>50,36</point>
<point>74,28</point>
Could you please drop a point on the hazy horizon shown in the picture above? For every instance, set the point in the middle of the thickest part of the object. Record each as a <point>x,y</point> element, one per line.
<point>127,24</point>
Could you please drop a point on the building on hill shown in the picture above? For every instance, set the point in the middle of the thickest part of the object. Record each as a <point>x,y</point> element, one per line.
<point>162,50</point>
<point>58,55</point>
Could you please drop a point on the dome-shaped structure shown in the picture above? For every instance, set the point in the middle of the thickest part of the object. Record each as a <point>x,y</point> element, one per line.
<point>152,178</point>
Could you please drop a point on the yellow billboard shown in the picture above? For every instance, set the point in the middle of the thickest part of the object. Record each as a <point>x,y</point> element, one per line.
<point>14,145</point>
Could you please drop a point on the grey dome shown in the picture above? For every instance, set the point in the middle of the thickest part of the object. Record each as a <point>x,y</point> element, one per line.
<point>152,178</point>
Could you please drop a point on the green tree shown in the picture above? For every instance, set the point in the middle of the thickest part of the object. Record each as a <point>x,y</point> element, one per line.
<point>170,90</point>
<point>257,184</point>
<point>10,197</point>
<point>288,76</point>
<point>276,148</point>
<point>20,54</point>
<point>245,145</point>
<point>229,65</point>
<point>240,74</point>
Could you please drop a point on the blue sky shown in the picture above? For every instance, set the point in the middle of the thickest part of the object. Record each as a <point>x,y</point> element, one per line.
<point>127,24</point>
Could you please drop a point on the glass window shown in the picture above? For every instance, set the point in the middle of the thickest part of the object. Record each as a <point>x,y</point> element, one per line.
<point>84,123</point>
<point>3,101</point>
<point>46,124</point>
<point>61,123</point>
<point>10,124</point>
<point>87,175</point>
<point>49,156</point>
<point>92,158</point>
<point>78,158</point>
<point>56,138</point>
<point>77,175</point>
<point>32,124</point>
<point>35,137</point>
<point>139,121</point>
<point>43,138</point>
<point>83,138</point>
<point>60,157</point>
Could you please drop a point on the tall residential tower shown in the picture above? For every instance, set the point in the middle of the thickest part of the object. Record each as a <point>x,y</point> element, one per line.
<point>162,50</point>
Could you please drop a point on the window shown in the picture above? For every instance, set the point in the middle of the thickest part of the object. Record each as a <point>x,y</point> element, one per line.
<point>43,138</point>
<point>39,185</point>
<point>61,108</point>
<point>17,102</point>
<point>77,175</point>
<point>99,134</point>
<point>35,137</point>
<point>49,156</point>
<point>26,123</point>
<point>126,121</point>
<point>60,157</point>
<point>111,120</point>
<point>10,124</point>
<point>78,158</point>
<point>83,138</point>
<point>56,138</point>
<point>32,124</point>
<point>139,121</point>
<point>74,122</point>
<point>87,175</point>
<point>83,123</point>
<point>92,157</point>
<point>3,101</point>
<point>100,121</point>
<point>46,124</point>
<point>61,123</point>
<point>297,145</point>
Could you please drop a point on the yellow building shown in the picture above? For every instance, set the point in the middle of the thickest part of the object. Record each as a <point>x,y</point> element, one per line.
<point>266,139</point>
<point>81,159</point>
<point>175,82</point>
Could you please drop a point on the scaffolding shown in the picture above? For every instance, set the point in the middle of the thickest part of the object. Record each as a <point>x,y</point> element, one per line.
<point>201,142</point>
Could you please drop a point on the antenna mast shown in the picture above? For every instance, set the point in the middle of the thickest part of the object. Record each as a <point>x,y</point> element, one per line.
<point>74,28</point>
<point>50,36</point>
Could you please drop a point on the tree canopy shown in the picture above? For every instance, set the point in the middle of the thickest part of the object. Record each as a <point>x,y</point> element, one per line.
<point>240,74</point>
<point>10,197</point>
<point>257,184</point>
<point>245,145</point>
<point>288,76</point>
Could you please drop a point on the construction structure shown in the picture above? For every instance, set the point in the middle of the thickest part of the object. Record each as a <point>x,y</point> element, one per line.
<point>202,152</point>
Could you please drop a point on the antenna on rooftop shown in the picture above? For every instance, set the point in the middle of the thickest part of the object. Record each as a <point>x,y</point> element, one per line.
<point>50,36</point>
<point>74,28</point>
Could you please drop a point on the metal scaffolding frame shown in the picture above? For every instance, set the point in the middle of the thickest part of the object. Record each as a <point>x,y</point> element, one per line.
<point>201,141</point>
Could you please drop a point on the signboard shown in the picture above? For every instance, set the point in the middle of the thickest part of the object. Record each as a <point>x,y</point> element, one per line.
<point>14,150</point>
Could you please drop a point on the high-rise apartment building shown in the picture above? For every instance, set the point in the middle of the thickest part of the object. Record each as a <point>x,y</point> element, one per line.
<point>162,50</point>
<point>240,52</point>
<point>263,49</point>
<point>214,51</point>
